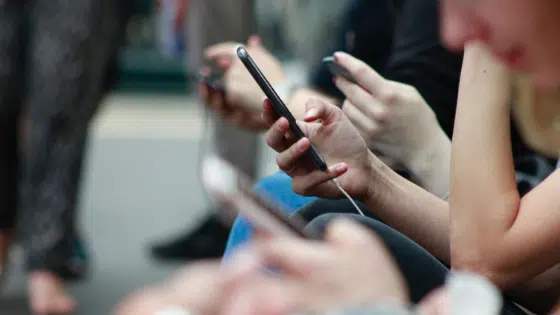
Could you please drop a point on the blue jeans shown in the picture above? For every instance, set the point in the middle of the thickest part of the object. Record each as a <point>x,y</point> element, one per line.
<point>278,186</point>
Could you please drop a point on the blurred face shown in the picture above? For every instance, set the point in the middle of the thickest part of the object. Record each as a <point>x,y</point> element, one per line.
<point>525,34</point>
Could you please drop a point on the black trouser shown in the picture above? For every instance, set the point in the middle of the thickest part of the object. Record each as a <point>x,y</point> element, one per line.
<point>422,271</point>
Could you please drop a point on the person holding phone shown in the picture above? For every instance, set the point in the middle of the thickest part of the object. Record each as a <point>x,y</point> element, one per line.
<point>240,105</point>
<point>401,61</point>
<point>406,130</point>
<point>438,85</point>
<point>493,230</point>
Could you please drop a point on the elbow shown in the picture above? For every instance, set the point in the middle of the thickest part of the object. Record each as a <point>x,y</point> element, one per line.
<point>483,263</point>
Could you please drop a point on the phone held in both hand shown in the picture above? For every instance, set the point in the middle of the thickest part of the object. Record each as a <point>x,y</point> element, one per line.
<point>277,104</point>
<point>233,189</point>
<point>337,70</point>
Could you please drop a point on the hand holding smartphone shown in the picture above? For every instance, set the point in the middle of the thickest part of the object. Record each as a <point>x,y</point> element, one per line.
<point>212,75</point>
<point>278,105</point>
<point>239,197</point>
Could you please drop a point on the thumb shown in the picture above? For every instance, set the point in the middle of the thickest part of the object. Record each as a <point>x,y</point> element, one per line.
<point>254,41</point>
<point>318,110</point>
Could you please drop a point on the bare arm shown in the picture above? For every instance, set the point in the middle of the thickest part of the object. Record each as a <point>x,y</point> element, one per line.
<point>431,167</point>
<point>410,209</point>
<point>494,232</point>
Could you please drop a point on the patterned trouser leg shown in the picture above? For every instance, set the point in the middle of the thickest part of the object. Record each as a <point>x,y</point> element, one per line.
<point>11,83</point>
<point>69,43</point>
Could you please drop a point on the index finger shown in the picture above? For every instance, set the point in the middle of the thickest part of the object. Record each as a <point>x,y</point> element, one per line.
<point>368,78</point>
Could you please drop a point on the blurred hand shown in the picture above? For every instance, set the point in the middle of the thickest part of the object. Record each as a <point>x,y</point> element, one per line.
<point>197,287</point>
<point>340,144</point>
<point>435,303</point>
<point>392,117</point>
<point>350,268</point>
<point>242,96</point>
<point>236,115</point>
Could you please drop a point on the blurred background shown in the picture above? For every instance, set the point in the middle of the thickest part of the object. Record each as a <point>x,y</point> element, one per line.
<point>141,179</point>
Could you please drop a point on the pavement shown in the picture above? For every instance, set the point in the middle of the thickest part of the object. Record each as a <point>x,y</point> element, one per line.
<point>140,185</point>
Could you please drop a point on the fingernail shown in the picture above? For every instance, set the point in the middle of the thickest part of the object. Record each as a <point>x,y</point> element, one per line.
<point>340,168</point>
<point>302,145</point>
<point>336,56</point>
<point>311,113</point>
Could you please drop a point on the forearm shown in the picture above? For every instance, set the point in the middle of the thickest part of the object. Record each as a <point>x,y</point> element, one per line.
<point>430,168</point>
<point>484,200</point>
<point>410,209</point>
<point>494,232</point>
<point>540,294</point>
<point>300,96</point>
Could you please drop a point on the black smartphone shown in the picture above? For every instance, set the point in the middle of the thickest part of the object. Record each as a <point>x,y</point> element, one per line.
<point>211,74</point>
<point>278,105</point>
<point>337,70</point>
<point>238,196</point>
<point>213,81</point>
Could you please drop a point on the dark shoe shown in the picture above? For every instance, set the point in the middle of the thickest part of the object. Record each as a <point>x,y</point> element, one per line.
<point>206,242</point>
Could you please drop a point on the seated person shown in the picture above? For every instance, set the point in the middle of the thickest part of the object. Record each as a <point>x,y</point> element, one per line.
<point>528,274</point>
<point>417,58</point>
<point>420,74</point>
<point>366,21</point>
<point>509,239</point>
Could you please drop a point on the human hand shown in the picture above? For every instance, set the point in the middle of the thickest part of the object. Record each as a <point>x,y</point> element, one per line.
<point>350,268</point>
<point>182,291</point>
<point>337,140</point>
<point>239,102</point>
<point>392,117</point>
<point>241,92</point>
<point>236,115</point>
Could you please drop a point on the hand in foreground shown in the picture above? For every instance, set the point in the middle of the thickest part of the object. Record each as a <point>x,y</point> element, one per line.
<point>240,102</point>
<point>336,139</point>
<point>350,268</point>
<point>393,117</point>
<point>198,288</point>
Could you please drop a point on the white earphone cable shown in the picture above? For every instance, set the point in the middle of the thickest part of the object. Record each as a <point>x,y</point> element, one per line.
<point>347,196</point>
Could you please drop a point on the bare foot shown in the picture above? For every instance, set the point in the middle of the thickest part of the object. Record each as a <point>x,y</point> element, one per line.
<point>48,296</point>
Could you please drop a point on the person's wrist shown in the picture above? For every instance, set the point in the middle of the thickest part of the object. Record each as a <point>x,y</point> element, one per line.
<point>431,159</point>
<point>378,181</point>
